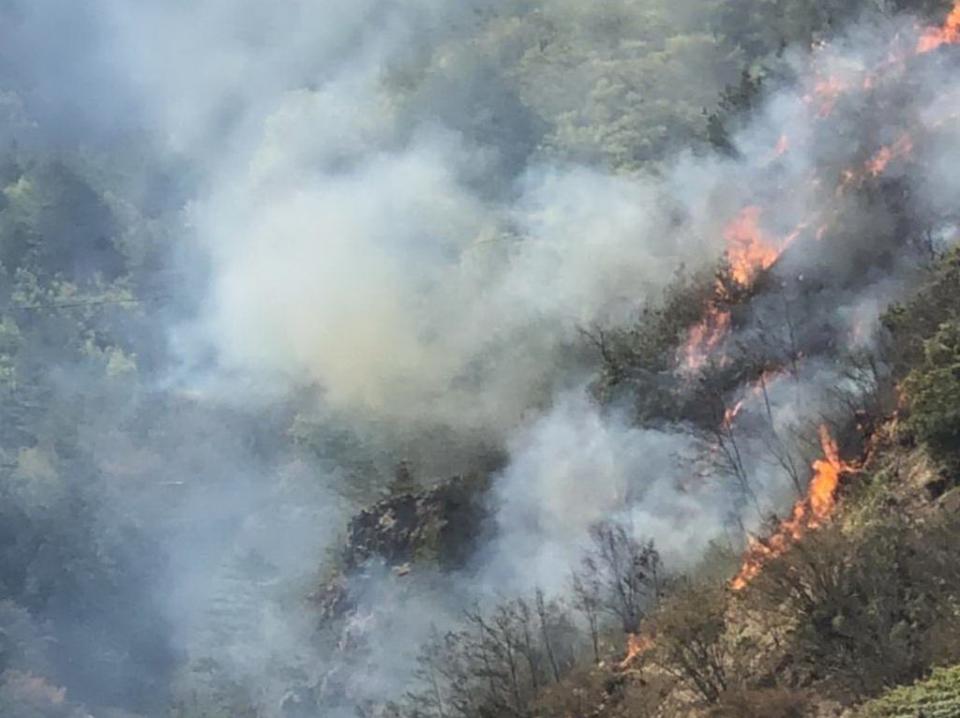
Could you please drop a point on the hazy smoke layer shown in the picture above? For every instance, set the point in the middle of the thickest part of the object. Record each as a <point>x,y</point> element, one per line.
<point>392,222</point>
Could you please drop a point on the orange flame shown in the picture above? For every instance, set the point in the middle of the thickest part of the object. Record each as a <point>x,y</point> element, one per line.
<point>755,390</point>
<point>748,250</point>
<point>638,645</point>
<point>731,414</point>
<point>705,337</point>
<point>827,91</point>
<point>901,148</point>
<point>783,145</point>
<point>808,513</point>
<point>947,34</point>
<point>876,165</point>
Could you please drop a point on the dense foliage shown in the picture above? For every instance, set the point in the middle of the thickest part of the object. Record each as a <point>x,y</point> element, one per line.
<point>925,345</point>
<point>936,697</point>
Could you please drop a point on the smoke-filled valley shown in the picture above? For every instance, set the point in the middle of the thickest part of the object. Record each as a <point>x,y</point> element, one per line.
<point>498,358</point>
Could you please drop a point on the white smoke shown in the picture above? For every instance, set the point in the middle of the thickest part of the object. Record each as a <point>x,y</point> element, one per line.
<point>418,258</point>
<point>574,468</point>
<point>382,253</point>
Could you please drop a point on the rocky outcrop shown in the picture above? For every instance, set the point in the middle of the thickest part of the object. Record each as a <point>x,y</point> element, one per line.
<point>439,525</point>
<point>436,528</point>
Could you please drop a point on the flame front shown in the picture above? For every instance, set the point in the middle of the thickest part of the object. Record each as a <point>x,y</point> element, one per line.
<point>748,250</point>
<point>782,147</point>
<point>808,513</point>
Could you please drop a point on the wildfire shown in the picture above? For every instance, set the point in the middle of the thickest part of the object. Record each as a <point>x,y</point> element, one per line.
<point>947,34</point>
<point>826,92</point>
<point>748,250</point>
<point>901,148</point>
<point>755,391</point>
<point>876,165</point>
<point>638,645</point>
<point>705,337</point>
<point>808,513</point>
<point>731,414</point>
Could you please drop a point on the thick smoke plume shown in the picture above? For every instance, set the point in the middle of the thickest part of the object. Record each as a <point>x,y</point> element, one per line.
<point>392,227</point>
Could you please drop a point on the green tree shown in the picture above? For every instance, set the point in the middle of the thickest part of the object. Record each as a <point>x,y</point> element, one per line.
<point>933,392</point>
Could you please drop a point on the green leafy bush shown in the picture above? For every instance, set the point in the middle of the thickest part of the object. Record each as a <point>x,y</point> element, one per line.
<point>936,697</point>
<point>933,391</point>
<point>864,610</point>
<point>913,324</point>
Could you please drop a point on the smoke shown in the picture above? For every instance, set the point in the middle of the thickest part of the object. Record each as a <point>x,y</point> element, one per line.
<point>574,468</point>
<point>400,218</point>
<point>410,302</point>
<point>377,240</point>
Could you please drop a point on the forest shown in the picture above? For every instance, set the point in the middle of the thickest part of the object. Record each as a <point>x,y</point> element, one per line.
<point>492,359</point>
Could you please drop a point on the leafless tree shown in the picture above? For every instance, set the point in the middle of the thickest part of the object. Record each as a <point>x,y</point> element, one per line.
<point>586,600</point>
<point>691,640</point>
<point>721,441</point>
<point>626,574</point>
<point>496,664</point>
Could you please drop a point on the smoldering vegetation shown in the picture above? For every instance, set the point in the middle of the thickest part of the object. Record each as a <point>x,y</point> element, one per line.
<point>623,259</point>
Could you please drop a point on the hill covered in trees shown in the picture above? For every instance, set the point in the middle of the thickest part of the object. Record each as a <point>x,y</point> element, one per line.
<point>673,290</point>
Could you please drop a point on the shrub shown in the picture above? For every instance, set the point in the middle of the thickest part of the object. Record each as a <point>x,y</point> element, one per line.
<point>933,392</point>
<point>597,690</point>
<point>691,642</point>
<point>763,703</point>
<point>936,697</point>
<point>865,611</point>
<point>912,324</point>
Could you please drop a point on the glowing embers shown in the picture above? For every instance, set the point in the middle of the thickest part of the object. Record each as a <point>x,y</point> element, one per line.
<point>946,34</point>
<point>808,513</point>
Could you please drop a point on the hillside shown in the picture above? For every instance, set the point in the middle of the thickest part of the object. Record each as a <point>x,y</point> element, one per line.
<point>859,601</point>
<point>489,359</point>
